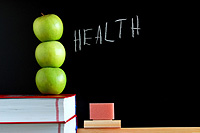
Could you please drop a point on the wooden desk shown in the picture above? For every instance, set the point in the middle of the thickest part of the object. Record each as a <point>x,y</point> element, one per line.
<point>144,130</point>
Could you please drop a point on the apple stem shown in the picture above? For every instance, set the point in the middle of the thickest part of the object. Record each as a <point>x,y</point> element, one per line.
<point>42,14</point>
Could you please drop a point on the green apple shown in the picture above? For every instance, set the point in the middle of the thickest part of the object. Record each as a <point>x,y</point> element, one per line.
<point>48,27</point>
<point>51,80</point>
<point>50,54</point>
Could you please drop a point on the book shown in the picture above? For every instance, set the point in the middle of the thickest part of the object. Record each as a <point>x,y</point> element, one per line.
<point>37,108</point>
<point>102,123</point>
<point>68,126</point>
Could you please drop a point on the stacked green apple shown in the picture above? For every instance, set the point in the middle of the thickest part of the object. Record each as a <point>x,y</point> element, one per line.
<point>50,54</point>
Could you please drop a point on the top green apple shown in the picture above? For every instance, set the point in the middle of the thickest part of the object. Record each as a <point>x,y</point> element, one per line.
<point>48,27</point>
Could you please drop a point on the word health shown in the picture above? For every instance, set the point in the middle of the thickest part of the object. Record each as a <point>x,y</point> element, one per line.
<point>82,37</point>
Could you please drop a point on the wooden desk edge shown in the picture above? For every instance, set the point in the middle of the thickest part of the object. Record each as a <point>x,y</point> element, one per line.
<point>143,130</point>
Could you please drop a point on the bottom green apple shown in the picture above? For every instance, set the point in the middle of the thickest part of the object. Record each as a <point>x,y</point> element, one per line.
<point>51,80</point>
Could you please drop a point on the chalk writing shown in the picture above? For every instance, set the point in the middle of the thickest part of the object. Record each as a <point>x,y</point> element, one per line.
<point>99,38</point>
<point>133,28</point>
<point>99,35</point>
<point>120,28</point>
<point>106,34</point>
<point>84,30</point>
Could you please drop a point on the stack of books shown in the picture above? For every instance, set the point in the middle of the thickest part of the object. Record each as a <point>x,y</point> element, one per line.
<point>38,113</point>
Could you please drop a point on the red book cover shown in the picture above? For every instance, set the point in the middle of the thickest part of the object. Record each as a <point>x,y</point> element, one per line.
<point>38,96</point>
<point>40,122</point>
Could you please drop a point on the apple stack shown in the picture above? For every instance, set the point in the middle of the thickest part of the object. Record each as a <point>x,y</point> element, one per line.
<point>50,54</point>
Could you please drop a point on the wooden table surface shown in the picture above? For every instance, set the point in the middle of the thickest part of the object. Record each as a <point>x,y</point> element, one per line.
<point>143,130</point>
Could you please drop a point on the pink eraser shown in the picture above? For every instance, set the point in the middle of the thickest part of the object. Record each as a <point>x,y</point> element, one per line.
<point>101,111</point>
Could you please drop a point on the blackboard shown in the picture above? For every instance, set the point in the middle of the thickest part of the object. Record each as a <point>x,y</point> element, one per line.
<point>149,75</point>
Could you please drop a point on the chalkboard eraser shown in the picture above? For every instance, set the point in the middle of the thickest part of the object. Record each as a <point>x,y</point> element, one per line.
<point>101,111</point>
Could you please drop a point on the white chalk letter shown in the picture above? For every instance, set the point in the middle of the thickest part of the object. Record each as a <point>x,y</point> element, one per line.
<point>120,28</point>
<point>137,28</point>
<point>99,36</point>
<point>77,40</point>
<point>106,34</point>
<point>85,38</point>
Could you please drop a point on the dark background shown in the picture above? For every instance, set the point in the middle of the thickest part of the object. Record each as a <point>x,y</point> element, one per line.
<point>151,78</point>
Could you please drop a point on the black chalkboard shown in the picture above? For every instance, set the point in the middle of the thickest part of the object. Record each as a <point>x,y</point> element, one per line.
<point>139,62</point>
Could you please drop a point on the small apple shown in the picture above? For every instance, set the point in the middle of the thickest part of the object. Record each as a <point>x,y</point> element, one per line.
<point>51,80</point>
<point>48,27</point>
<point>50,54</point>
